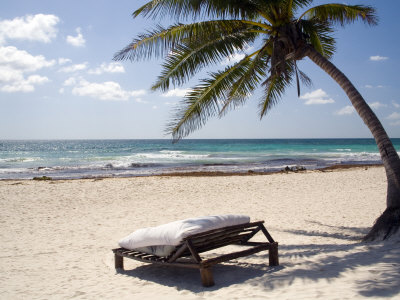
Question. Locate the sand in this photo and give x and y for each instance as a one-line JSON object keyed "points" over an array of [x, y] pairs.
{"points": [[56, 236]]}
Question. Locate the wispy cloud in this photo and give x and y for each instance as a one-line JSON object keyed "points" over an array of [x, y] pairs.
{"points": [[74, 68], [347, 110], [63, 61], [140, 100], [107, 91], [236, 57], [369, 86], [231, 59], [317, 97], [70, 81], [78, 40], [378, 58], [377, 105], [176, 93], [113, 67], [394, 116], [40, 28], [395, 104]]}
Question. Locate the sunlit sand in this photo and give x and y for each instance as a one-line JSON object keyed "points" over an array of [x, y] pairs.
{"points": [[57, 236]]}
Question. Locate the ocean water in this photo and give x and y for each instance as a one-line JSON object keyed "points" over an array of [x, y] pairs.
{"points": [[66, 159]]}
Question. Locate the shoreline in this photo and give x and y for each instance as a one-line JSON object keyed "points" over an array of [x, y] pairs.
{"points": [[336, 167]]}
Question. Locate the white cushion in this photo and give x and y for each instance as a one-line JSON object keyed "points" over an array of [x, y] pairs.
{"points": [[173, 233]]}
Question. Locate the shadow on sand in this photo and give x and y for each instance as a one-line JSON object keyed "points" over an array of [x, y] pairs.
{"points": [[189, 279], [381, 262]]}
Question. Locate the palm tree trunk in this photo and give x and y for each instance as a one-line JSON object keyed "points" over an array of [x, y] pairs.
{"points": [[389, 221]]}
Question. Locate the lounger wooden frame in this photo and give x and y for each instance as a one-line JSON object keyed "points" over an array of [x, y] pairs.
{"points": [[195, 244]]}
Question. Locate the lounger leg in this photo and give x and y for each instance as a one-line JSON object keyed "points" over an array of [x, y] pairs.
{"points": [[119, 261], [206, 277], [273, 255]]}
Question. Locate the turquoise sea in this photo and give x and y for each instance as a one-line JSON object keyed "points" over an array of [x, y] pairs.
{"points": [[62, 159]]}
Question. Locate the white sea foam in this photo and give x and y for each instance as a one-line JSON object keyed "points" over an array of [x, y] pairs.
{"points": [[170, 155], [19, 159]]}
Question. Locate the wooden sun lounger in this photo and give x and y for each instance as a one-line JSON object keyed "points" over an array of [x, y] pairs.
{"points": [[195, 244]]}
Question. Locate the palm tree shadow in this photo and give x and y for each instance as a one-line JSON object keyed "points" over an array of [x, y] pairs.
{"points": [[225, 275], [381, 261]]}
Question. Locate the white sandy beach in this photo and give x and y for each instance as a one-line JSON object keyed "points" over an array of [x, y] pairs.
{"points": [[56, 237]]}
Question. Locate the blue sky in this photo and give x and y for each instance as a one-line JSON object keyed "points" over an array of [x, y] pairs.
{"points": [[58, 80]]}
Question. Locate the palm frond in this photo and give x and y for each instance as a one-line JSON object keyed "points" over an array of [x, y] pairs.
{"points": [[184, 9], [275, 86], [154, 43], [342, 13], [319, 35], [159, 42], [204, 100], [305, 79], [186, 60], [253, 72], [297, 4], [213, 41]]}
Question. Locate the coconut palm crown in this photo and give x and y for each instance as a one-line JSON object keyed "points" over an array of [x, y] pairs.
{"points": [[274, 34]]}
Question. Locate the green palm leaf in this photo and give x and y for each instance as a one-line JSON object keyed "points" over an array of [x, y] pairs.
{"points": [[275, 86], [186, 60], [160, 41], [204, 100], [342, 13], [183, 9], [253, 73], [319, 36]]}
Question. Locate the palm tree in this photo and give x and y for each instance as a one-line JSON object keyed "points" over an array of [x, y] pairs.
{"points": [[279, 37]]}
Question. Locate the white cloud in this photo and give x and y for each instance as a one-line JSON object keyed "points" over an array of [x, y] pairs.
{"points": [[74, 68], [236, 57], [109, 90], [15, 63], [394, 116], [395, 104], [21, 60], [78, 40], [140, 100], [70, 82], [25, 85], [317, 97], [155, 107], [113, 67], [368, 86], [176, 93], [378, 58], [231, 59], [40, 27], [347, 110], [376, 105], [63, 61]]}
